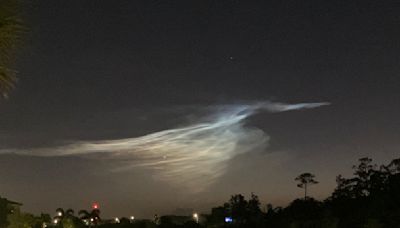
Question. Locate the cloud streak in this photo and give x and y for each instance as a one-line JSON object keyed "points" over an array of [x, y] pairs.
{"points": [[193, 156]]}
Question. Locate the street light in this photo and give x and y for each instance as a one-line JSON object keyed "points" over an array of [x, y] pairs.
{"points": [[196, 217]]}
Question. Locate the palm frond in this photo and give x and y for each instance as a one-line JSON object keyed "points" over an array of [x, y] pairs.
{"points": [[11, 30], [7, 81]]}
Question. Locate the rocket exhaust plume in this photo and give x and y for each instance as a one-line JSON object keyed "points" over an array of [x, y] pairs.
{"points": [[193, 156]]}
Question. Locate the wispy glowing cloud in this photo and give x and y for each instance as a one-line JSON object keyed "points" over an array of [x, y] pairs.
{"points": [[193, 156]]}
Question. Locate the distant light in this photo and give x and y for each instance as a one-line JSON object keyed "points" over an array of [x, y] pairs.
{"points": [[117, 220], [95, 206], [55, 221], [91, 219], [196, 217], [59, 213], [132, 217], [228, 219]]}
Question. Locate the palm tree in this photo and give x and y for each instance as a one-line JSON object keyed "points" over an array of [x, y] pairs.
{"points": [[92, 217], [305, 180], [84, 215], [60, 213], [10, 32], [69, 213]]}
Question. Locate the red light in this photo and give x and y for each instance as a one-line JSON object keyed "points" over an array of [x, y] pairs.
{"points": [[95, 206]]}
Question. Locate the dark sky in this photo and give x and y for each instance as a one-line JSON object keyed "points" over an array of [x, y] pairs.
{"points": [[98, 69]]}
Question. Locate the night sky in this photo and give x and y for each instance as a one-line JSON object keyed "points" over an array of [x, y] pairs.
{"points": [[102, 70]]}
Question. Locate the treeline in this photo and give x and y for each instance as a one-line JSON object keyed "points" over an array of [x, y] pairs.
{"points": [[368, 199]]}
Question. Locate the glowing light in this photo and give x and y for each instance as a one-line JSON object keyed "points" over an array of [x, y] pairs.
{"points": [[228, 219], [95, 206], [193, 156]]}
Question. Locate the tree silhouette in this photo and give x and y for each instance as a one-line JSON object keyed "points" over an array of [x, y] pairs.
{"points": [[305, 180], [69, 212], [10, 32], [245, 213], [92, 217], [238, 208], [368, 179], [62, 215]]}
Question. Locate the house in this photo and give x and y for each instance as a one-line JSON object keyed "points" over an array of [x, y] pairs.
{"points": [[7, 207]]}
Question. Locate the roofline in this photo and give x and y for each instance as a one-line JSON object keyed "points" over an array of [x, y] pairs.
{"points": [[13, 202]]}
